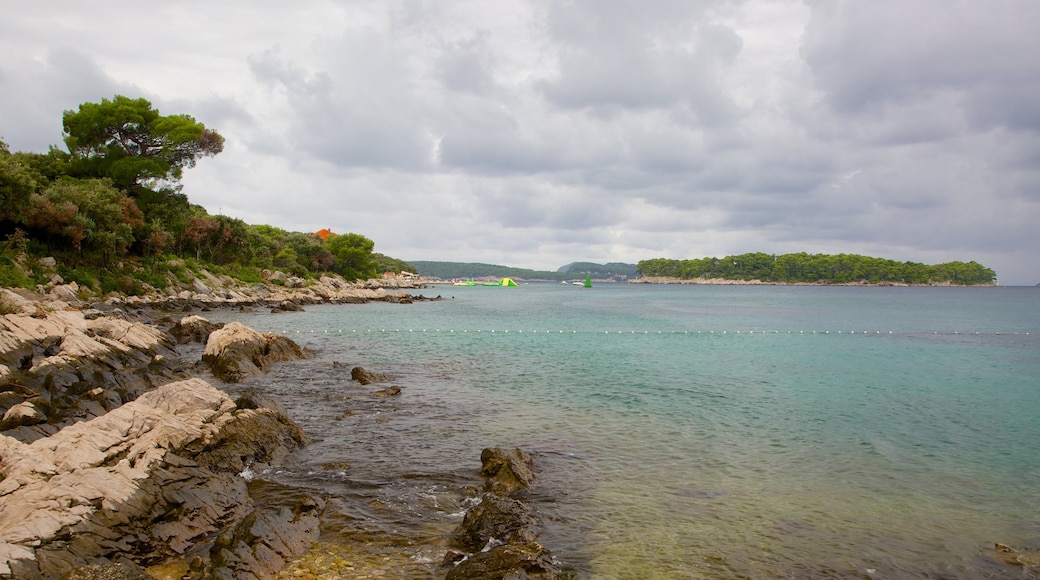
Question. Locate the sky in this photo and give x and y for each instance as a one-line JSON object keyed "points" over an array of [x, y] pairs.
{"points": [[535, 133]]}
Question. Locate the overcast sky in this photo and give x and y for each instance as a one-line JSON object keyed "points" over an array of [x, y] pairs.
{"points": [[535, 133]]}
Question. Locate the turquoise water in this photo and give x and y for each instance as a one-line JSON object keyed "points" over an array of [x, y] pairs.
{"points": [[687, 432]]}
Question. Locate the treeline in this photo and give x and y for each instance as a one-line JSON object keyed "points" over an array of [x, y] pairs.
{"points": [[803, 268], [452, 270], [111, 211], [609, 270]]}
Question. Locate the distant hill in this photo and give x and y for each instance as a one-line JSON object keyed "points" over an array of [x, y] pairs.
{"points": [[449, 270], [610, 270]]}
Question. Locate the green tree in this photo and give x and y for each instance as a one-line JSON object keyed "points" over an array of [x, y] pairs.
{"points": [[353, 254], [87, 213], [129, 142]]}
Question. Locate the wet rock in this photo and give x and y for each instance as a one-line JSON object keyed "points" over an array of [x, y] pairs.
{"points": [[235, 352], [1030, 560], [503, 519], [506, 470], [496, 538], [262, 543], [194, 329], [366, 378], [388, 392], [286, 306], [529, 561]]}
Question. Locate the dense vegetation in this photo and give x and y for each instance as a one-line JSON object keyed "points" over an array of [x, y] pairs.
{"points": [[818, 268], [451, 270], [111, 211]]}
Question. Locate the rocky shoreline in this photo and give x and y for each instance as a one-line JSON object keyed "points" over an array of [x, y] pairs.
{"points": [[122, 457]]}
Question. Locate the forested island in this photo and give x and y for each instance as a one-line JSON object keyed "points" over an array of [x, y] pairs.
{"points": [[803, 268], [108, 212]]}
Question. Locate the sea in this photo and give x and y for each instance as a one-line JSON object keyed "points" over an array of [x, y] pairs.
{"points": [[690, 431]]}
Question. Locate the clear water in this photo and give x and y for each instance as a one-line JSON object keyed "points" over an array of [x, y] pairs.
{"points": [[683, 432]]}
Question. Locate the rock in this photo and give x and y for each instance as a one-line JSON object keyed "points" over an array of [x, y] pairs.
{"points": [[92, 314], [503, 519], [25, 413], [48, 262], [194, 329], [528, 561], [295, 282], [235, 352], [263, 542], [153, 480], [496, 538], [366, 378], [388, 392], [506, 470], [65, 292], [277, 276], [287, 306]]}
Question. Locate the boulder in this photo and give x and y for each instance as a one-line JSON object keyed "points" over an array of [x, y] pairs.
{"points": [[194, 329], [502, 519], [506, 470], [236, 351], [530, 561], [366, 378]]}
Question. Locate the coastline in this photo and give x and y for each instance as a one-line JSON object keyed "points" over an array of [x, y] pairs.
{"points": [[124, 455], [79, 469], [727, 282]]}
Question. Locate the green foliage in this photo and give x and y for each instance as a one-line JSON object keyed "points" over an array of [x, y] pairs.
{"points": [[609, 270], [353, 256], [388, 264], [805, 268], [128, 141]]}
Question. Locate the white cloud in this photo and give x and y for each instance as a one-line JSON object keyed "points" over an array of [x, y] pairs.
{"points": [[538, 133]]}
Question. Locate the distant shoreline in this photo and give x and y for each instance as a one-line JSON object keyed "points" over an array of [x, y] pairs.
{"points": [[727, 282]]}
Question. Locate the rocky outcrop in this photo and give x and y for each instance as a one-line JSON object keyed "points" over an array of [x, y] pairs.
{"points": [[154, 481], [58, 367], [364, 377], [236, 352], [506, 470], [193, 329], [496, 538]]}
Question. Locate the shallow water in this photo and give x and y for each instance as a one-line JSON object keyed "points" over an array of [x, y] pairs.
{"points": [[680, 432]]}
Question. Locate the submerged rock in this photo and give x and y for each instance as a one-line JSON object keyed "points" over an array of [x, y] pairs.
{"points": [[366, 378], [496, 538]]}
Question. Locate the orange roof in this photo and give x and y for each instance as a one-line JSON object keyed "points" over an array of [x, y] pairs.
{"points": [[323, 233]]}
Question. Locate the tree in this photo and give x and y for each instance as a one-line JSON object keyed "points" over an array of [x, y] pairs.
{"points": [[88, 212], [129, 142], [353, 253]]}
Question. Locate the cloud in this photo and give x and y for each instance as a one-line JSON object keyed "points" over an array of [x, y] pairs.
{"points": [[538, 133]]}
